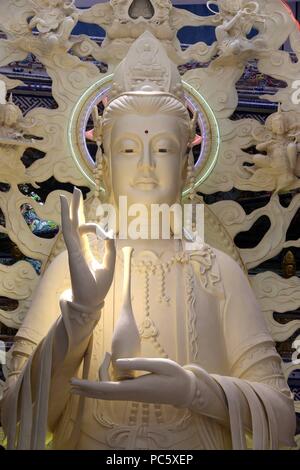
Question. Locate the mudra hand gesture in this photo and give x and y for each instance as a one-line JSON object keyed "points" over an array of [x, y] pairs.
{"points": [[90, 280], [166, 383]]}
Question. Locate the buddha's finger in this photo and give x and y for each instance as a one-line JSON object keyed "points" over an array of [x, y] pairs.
{"points": [[75, 205], [104, 390], [109, 257], [86, 392], [156, 365], [65, 213], [81, 210], [83, 386], [89, 228], [126, 390], [96, 230]]}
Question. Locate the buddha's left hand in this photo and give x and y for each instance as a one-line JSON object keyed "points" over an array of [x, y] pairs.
{"points": [[166, 383]]}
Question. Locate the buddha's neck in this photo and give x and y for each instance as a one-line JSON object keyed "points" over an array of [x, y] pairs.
{"points": [[158, 246]]}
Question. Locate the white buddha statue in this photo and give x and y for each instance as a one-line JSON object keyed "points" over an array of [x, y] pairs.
{"points": [[208, 373]]}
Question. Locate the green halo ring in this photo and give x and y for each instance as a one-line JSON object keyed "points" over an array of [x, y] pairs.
{"points": [[205, 166]]}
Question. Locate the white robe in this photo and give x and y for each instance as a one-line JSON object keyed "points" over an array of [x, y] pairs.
{"points": [[212, 325]]}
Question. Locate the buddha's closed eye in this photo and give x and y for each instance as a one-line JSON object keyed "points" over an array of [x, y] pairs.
{"points": [[128, 146], [160, 146]]}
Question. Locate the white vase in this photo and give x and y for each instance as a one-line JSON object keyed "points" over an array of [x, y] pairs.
{"points": [[126, 340]]}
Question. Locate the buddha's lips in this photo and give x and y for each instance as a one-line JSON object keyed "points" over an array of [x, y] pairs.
{"points": [[144, 181]]}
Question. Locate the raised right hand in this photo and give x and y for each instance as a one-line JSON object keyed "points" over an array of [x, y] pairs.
{"points": [[90, 280]]}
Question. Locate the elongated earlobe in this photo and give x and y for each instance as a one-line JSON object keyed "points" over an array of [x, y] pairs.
{"points": [[98, 171], [190, 174], [101, 192], [106, 176]]}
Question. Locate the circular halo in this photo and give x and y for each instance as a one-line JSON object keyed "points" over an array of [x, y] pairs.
{"points": [[205, 160], [210, 133]]}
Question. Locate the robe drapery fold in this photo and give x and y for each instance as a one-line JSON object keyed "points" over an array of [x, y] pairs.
{"points": [[238, 351], [268, 431], [263, 426], [24, 418], [262, 400]]}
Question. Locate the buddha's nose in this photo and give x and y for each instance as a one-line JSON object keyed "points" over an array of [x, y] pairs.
{"points": [[146, 161]]}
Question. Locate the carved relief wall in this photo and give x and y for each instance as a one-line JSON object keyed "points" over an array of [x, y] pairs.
{"points": [[244, 154]]}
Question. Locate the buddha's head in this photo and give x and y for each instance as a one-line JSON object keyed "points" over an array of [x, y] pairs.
{"points": [[147, 131], [146, 138]]}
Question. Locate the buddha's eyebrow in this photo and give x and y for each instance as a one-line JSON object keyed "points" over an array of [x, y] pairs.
{"points": [[125, 138], [167, 136]]}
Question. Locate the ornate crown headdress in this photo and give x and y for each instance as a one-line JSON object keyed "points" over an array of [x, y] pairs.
{"points": [[147, 69]]}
